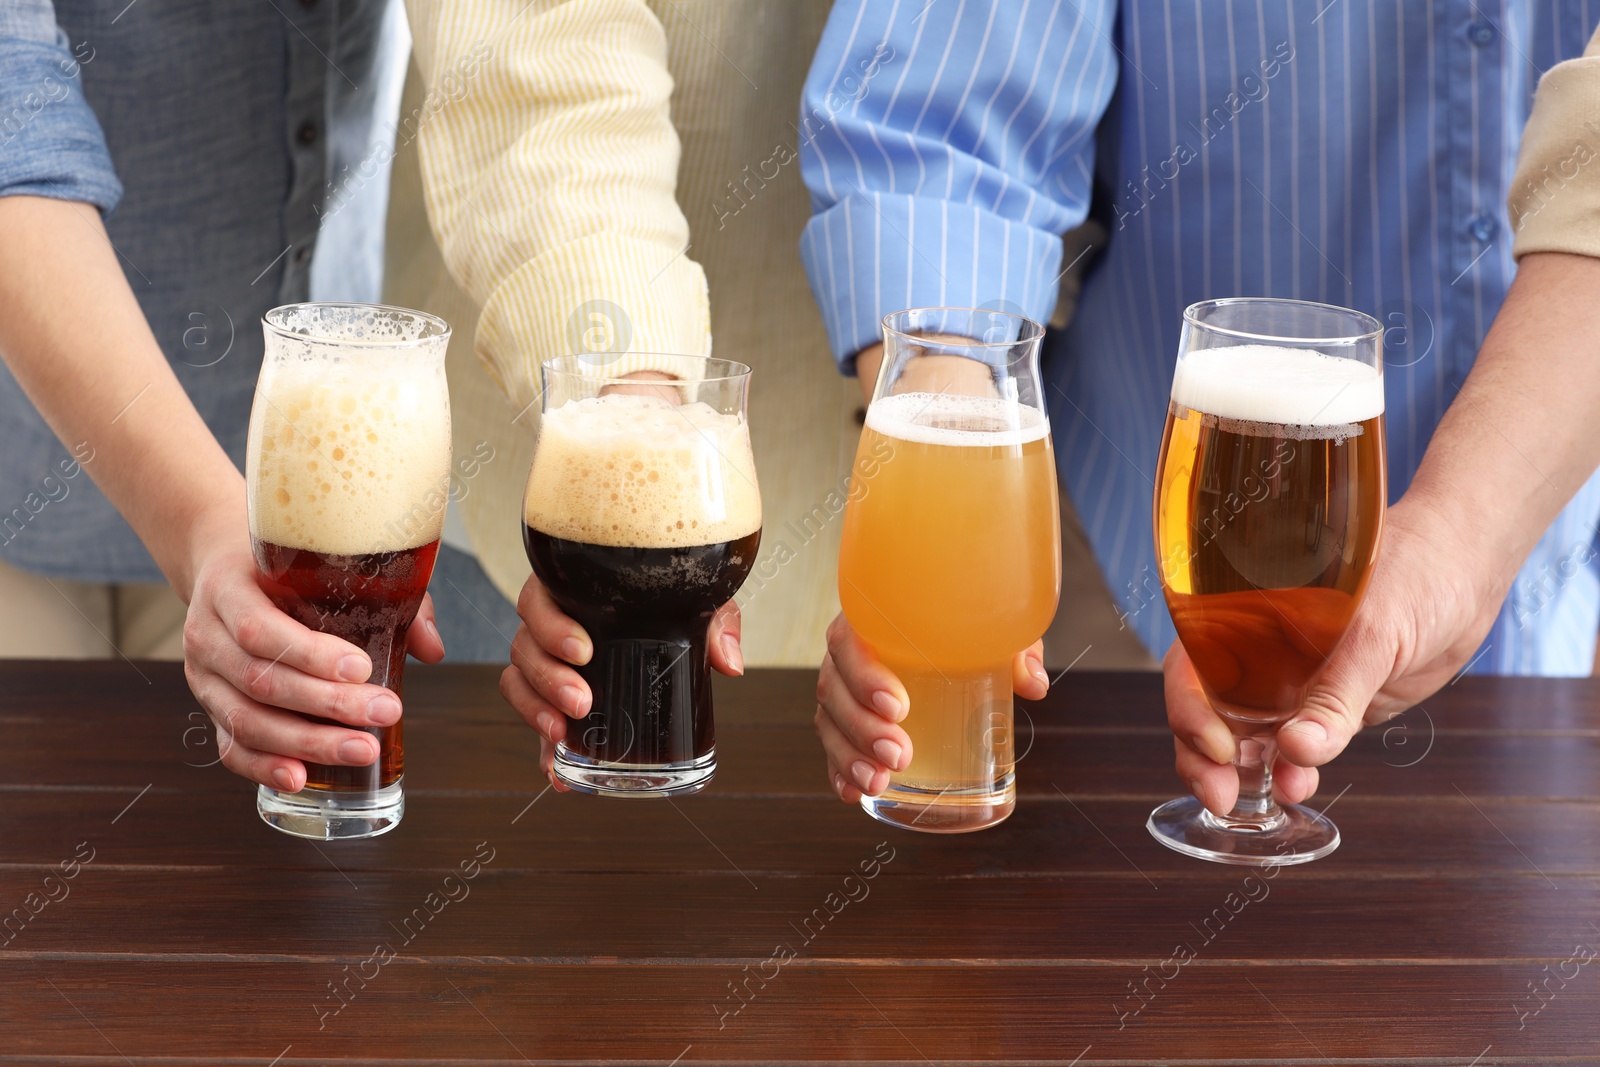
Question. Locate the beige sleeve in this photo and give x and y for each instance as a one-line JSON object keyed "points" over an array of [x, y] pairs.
{"points": [[549, 167], [1555, 194]]}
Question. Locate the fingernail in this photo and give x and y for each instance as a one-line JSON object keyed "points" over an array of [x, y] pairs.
{"points": [[861, 771], [574, 700], [383, 710], [354, 668], [1194, 787], [1310, 729], [887, 751], [838, 784], [1038, 672], [355, 752], [574, 651], [888, 705], [433, 631], [730, 646], [283, 780], [544, 722]]}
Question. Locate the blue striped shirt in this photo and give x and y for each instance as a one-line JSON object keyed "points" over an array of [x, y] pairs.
{"points": [[1356, 152]]}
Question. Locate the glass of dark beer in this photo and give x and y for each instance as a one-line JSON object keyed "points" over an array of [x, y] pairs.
{"points": [[642, 517], [347, 472], [1269, 506]]}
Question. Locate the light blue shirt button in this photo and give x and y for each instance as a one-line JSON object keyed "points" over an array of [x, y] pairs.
{"points": [[1481, 32], [1482, 227]]}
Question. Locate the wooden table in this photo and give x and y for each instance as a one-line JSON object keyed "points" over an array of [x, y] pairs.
{"points": [[742, 925]]}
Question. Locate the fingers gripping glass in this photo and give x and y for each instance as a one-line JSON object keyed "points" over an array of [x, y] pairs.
{"points": [[642, 517], [347, 471], [1269, 506], [950, 562]]}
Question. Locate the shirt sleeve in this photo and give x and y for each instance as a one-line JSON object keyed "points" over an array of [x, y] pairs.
{"points": [[549, 166], [1555, 194], [50, 141], [947, 148]]}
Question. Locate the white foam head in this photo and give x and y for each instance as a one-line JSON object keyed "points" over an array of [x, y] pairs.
{"points": [[640, 471], [1269, 384], [349, 449], [960, 421]]}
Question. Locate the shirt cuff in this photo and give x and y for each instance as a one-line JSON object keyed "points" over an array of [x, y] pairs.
{"points": [[1555, 194], [50, 140], [866, 257], [603, 293]]}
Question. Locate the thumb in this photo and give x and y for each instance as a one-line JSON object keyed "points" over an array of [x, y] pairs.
{"points": [[1335, 708]]}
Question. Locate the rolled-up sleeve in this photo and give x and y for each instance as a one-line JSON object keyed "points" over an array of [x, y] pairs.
{"points": [[50, 141], [947, 148], [1555, 195]]}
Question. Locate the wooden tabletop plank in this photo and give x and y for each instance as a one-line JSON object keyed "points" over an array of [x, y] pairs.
{"points": [[475, 744], [518, 916], [1446, 837], [806, 1012]]}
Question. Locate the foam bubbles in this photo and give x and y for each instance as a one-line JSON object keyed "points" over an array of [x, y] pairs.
{"points": [[350, 454], [963, 421], [636, 470], [1280, 386]]}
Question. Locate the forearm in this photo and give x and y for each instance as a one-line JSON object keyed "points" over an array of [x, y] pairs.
{"points": [[1520, 438], [75, 339], [550, 182]]}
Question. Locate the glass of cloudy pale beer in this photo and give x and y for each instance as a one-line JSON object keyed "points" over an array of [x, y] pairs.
{"points": [[950, 562], [642, 517], [1269, 503], [347, 471]]}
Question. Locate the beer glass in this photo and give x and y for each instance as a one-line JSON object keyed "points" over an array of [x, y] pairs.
{"points": [[950, 562], [1268, 510], [642, 517], [347, 472]]}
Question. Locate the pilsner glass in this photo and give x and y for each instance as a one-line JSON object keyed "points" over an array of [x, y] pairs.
{"points": [[642, 517], [950, 562], [1268, 510], [347, 472]]}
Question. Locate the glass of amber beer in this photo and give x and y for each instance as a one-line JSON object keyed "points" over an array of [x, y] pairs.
{"points": [[950, 562], [642, 517], [1268, 510], [347, 472]]}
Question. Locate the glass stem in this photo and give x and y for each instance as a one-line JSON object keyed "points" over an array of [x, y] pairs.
{"points": [[1255, 810]]}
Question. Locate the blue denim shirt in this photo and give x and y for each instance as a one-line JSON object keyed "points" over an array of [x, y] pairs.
{"points": [[214, 118]]}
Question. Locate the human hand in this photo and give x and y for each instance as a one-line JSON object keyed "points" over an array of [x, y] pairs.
{"points": [[1430, 602], [252, 667], [860, 704], [541, 684]]}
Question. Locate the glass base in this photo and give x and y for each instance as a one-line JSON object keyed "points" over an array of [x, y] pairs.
{"points": [[1293, 833], [325, 815], [600, 778], [944, 811]]}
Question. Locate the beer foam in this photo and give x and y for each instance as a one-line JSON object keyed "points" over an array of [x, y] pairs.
{"points": [[350, 455], [948, 419], [1278, 386], [640, 471]]}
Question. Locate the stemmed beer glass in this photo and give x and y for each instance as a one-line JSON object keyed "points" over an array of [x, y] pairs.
{"points": [[1269, 504]]}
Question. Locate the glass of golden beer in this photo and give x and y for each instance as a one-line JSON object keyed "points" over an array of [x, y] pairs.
{"points": [[1269, 506], [347, 470], [950, 563]]}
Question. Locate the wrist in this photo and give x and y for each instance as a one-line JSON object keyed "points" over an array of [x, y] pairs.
{"points": [[1466, 538], [221, 525]]}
